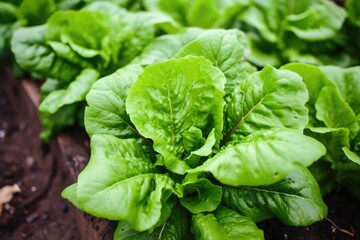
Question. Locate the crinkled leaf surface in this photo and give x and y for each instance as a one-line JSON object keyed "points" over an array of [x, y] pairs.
{"points": [[175, 227], [276, 26], [347, 81], [75, 92], [262, 158], [32, 54], [144, 26], [106, 111], [315, 81], [335, 112], [172, 97], [226, 49], [64, 26], [120, 183], [225, 223], [258, 15], [244, 69], [334, 139], [270, 98], [71, 41], [96, 36], [295, 200], [320, 21]]}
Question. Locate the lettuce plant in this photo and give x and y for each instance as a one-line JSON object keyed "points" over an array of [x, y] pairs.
{"points": [[305, 31], [335, 115], [199, 145], [74, 48], [15, 14], [280, 31], [200, 13]]}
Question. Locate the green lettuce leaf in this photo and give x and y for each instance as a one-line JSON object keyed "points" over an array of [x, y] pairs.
{"points": [[106, 112], [348, 174], [75, 92], [120, 183], [309, 73], [263, 157], [95, 36], [353, 9], [200, 13], [266, 99], [351, 155], [225, 223], [325, 176], [165, 47], [282, 31], [226, 49], [36, 12], [144, 26], [67, 115], [334, 139], [33, 54], [199, 194], [172, 98], [347, 81], [330, 99], [10, 20], [320, 21], [295, 200], [175, 227], [89, 38]]}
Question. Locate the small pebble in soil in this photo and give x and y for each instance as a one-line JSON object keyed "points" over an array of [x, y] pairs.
{"points": [[2, 134], [9, 208], [30, 161], [32, 217], [33, 189]]}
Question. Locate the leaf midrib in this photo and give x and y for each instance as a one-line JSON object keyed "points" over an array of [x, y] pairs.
{"points": [[275, 192], [233, 130]]}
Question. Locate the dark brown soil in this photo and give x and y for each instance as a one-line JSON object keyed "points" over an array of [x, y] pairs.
{"points": [[38, 212]]}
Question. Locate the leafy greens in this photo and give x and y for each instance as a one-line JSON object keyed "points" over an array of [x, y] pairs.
{"points": [[101, 37], [335, 112], [159, 144]]}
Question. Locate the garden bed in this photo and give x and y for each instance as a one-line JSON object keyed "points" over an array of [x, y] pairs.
{"points": [[42, 171]]}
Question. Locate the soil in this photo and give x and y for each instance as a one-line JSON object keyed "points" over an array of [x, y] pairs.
{"points": [[43, 170], [37, 212]]}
